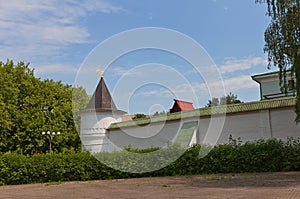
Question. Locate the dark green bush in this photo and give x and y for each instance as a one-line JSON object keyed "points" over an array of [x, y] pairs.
{"points": [[260, 156]]}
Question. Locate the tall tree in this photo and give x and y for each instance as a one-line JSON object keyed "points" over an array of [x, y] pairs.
{"points": [[282, 41], [29, 106]]}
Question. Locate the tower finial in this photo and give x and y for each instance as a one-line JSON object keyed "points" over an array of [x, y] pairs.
{"points": [[101, 72]]}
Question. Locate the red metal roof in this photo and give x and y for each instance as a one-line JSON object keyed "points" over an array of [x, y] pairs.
{"points": [[185, 106], [181, 106]]}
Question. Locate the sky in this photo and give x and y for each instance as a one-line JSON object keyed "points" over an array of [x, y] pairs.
{"points": [[58, 37]]}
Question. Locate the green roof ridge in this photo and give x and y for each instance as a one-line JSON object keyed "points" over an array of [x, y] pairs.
{"points": [[269, 73]]}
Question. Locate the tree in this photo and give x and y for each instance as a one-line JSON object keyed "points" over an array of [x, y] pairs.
{"points": [[29, 106], [228, 99], [80, 99], [160, 113], [282, 41], [139, 116]]}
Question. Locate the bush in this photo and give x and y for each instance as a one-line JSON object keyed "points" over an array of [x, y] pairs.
{"points": [[260, 156]]}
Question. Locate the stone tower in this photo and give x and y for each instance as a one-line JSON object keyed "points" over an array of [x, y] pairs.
{"points": [[96, 118]]}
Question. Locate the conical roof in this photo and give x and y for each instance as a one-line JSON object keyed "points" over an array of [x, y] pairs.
{"points": [[101, 99]]}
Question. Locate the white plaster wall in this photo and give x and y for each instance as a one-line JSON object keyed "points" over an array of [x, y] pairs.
{"points": [[283, 125], [254, 125], [145, 136], [152, 135], [249, 126]]}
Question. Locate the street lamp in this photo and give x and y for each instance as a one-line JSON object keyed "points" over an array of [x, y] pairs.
{"points": [[50, 137]]}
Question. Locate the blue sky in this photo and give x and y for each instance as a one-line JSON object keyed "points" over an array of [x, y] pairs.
{"points": [[57, 36]]}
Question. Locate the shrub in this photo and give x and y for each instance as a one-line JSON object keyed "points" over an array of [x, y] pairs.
{"points": [[259, 156]]}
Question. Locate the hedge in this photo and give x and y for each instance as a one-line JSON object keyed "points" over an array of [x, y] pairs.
{"points": [[259, 156]]}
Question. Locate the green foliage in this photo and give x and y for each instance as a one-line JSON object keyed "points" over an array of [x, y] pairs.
{"points": [[139, 160], [282, 38], [133, 150], [260, 156], [228, 99], [80, 100], [139, 116], [30, 106], [160, 113]]}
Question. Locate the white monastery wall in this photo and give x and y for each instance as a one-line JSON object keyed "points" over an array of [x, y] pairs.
{"points": [[248, 126], [253, 125], [157, 134], [282, 123]]}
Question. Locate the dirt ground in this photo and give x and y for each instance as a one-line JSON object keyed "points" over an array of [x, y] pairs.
{"points": [[262, 185]]}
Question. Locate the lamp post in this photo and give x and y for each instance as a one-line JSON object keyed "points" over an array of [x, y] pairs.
{"points": [[50, 137]]}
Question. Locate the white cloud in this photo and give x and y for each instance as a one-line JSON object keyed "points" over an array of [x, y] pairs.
{"points": [[183, 90], [230, 65], [238, 83], [32, 28], [230, 85], [233, 64], [158, 92], [117, 71], [55, 68], [197, 93]]}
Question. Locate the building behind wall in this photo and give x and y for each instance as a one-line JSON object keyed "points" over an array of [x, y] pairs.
{"points": [[269, 85], [180, 105]]}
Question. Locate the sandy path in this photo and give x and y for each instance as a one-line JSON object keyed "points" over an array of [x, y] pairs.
{"points": [[263, 185]]}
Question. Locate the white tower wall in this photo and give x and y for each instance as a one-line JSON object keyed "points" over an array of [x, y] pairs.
{"points": [[93, 129]]}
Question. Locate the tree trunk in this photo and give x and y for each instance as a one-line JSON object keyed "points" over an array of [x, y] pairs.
{"points": [[297, 74]]}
